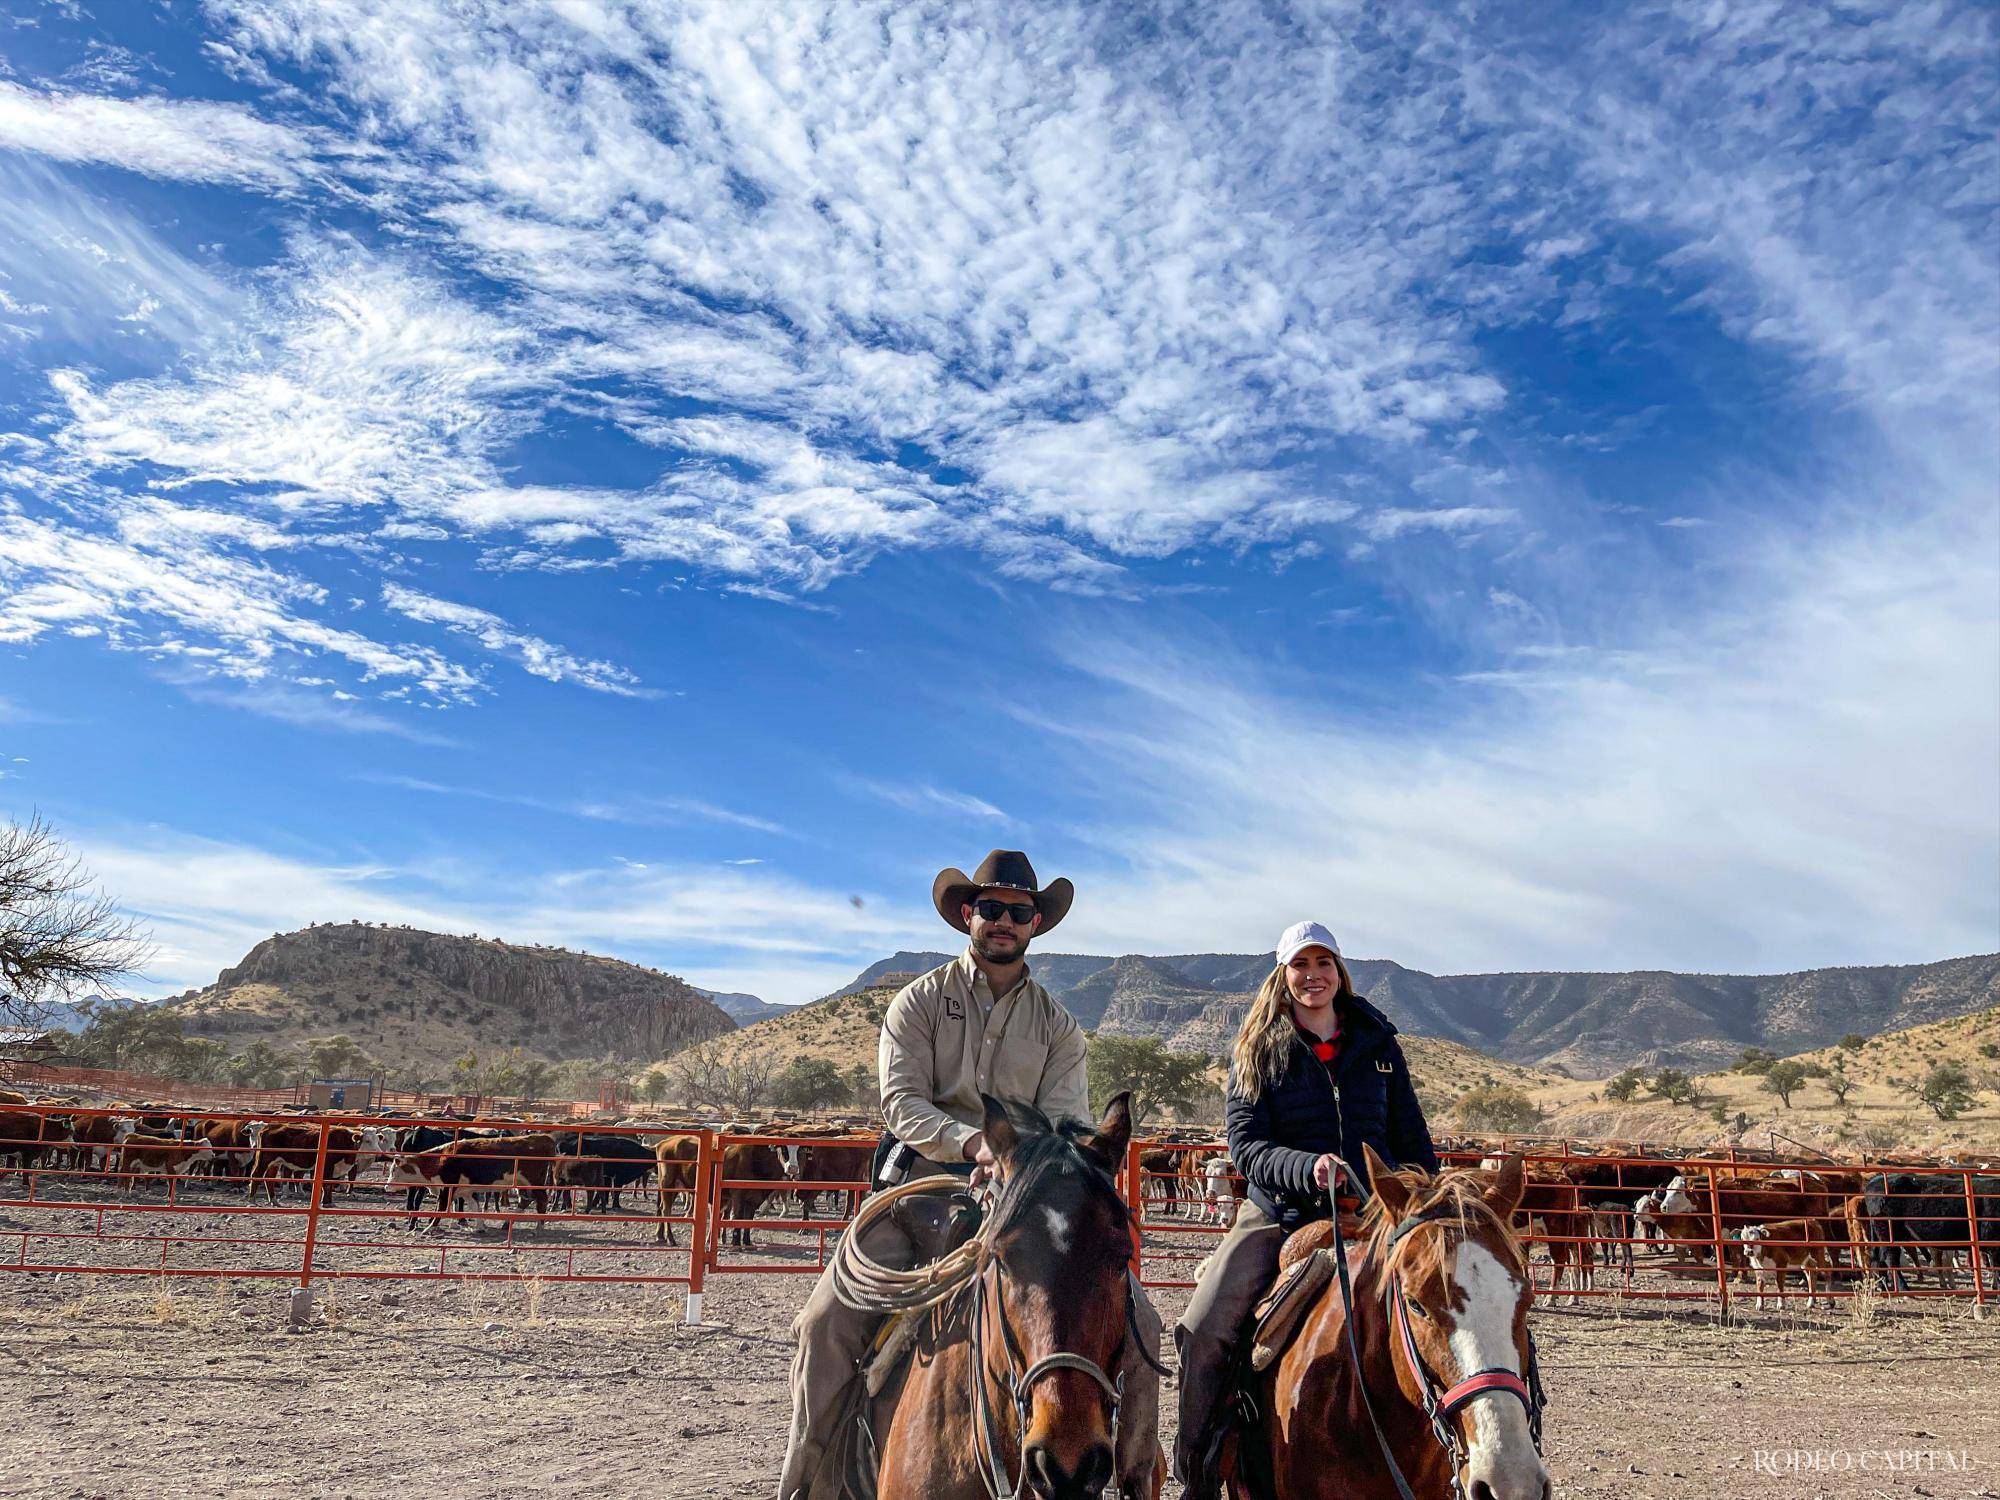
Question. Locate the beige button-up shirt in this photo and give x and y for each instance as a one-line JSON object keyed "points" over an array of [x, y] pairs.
{"points": [[946, 1040]]}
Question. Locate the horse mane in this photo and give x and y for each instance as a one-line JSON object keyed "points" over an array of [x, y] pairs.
{"points": [[1042, 1146], [1456, 1194]]}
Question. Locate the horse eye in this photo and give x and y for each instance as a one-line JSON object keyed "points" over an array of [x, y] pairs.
{"points": [[1418, 1308]]}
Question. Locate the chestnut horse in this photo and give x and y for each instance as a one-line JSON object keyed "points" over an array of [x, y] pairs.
{"points": [[1447, 1386], [1023, 1388]]}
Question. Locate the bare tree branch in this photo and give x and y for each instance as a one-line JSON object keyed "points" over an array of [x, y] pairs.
{"points": [[59, 935]]}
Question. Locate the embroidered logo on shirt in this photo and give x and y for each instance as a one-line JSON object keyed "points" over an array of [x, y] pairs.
{"points": [[954, 1008]]}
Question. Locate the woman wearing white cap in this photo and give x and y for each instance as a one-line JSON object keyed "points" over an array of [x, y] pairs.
{"points": [[1315, 1075]]}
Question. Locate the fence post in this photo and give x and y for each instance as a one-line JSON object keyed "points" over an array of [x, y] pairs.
{"points": [[704, 1166], [1721, 1255], [1972, 1244], [312, 1213], [1135, 1191]]}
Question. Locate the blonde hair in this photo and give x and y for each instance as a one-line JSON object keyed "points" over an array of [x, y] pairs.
{"points": [[1263, 1041]]}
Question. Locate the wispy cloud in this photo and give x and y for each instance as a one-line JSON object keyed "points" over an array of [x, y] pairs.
{"points": [[535, 655], [922, 797], [635, 811], [206, 902], [198, 140]]}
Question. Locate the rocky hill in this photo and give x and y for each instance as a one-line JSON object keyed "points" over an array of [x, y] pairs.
{"points": [[1590, 1024], [411, 997]]}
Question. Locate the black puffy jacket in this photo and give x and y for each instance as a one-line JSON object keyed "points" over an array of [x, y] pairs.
{"points": [[1275, 1138]]}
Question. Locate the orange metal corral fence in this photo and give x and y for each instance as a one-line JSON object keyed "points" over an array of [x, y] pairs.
{"points": [[306, 1198]]}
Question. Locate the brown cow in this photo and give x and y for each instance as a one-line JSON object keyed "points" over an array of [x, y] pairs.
{"points": [[830, 1161], [743, 1163], [1786, 1245], [676, 1155], [482, 1164], [26, 1138], [296, 1148], [158, 1156]]}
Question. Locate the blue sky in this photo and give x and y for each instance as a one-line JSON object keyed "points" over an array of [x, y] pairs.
{"points": [[1518, 484]]}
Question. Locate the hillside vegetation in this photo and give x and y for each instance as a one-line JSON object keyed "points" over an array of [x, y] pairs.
{"points": [[1880, 1112]]}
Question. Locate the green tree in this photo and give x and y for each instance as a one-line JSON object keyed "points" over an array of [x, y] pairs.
{"points": [[1947, 1090], [1495, 1109], [654, 1088], [1157, 1077], [338, 1056], [1838, 1083], [1853, 1042], [1675, 1086], [1784, 1079], [865, 1089], [809, 1083], [1756, 1060], [1624, 1088]]}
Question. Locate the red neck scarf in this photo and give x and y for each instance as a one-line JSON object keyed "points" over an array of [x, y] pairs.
{"points": [[1326, 1051]]}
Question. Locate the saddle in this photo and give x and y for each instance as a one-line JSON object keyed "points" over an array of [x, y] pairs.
{"points": [[1305, 1269]]}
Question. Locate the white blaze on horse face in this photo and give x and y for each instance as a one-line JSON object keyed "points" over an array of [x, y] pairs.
{"points": [[1058, 1230], [1502, 1451]]}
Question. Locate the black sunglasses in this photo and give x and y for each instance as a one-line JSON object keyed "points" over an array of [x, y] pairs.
{"points": [[1022, 912]]}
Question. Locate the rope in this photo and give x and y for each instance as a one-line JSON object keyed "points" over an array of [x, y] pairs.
{"points": [[866, 1285]]}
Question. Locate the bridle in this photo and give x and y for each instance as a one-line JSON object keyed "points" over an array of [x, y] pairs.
{"points": [[1439, 1404], [1020, 1376]]}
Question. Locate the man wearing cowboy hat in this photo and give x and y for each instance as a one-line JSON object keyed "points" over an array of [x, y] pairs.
{"points": [[979, 1024]]}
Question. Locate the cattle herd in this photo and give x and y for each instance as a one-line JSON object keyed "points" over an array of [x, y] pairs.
{"points": [[1897, 1223], [1824, 1224]]}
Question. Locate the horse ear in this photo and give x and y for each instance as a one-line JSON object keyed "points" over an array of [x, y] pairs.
{"points": [[1385, 1184], [1504, 1196], [1000, 1133], [1114, 1132]]}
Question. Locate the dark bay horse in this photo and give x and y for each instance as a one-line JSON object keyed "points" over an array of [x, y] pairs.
{"points": [[1441, 1297], [1024, 1387]]}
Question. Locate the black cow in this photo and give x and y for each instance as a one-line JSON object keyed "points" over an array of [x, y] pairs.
{"points": [[1925, 1213], [605, 1165]]}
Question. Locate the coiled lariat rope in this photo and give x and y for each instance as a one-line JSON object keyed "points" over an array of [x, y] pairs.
{"points": [[866, 1285]]}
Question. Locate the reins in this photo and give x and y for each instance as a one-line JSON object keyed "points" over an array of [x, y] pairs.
{"points": [[866, 1285], [1438, 1406]]}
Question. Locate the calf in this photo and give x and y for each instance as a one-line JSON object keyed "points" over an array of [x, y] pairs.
{"points": [[1788, 1244], [158, 1156], [1218, 1204]]}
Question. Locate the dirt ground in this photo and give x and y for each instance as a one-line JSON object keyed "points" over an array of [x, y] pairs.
{"points": [[145, 1386]]}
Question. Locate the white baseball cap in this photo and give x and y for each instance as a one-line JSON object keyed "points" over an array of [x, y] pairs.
{"points": [[1301, 936]]}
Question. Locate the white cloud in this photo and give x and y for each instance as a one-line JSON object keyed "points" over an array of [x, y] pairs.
{"points": [[198, 140], [1807, 778], [207, 902], [534, 654], [922, 797]]}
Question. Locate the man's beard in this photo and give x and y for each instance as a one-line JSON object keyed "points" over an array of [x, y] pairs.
{"points": [[979, 946]]}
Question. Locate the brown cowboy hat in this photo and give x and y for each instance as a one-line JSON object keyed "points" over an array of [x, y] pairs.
{"points": [[1003, 869]]}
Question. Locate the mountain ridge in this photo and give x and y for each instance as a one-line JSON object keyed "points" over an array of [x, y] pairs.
{"points": [[1591, 1023]]}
